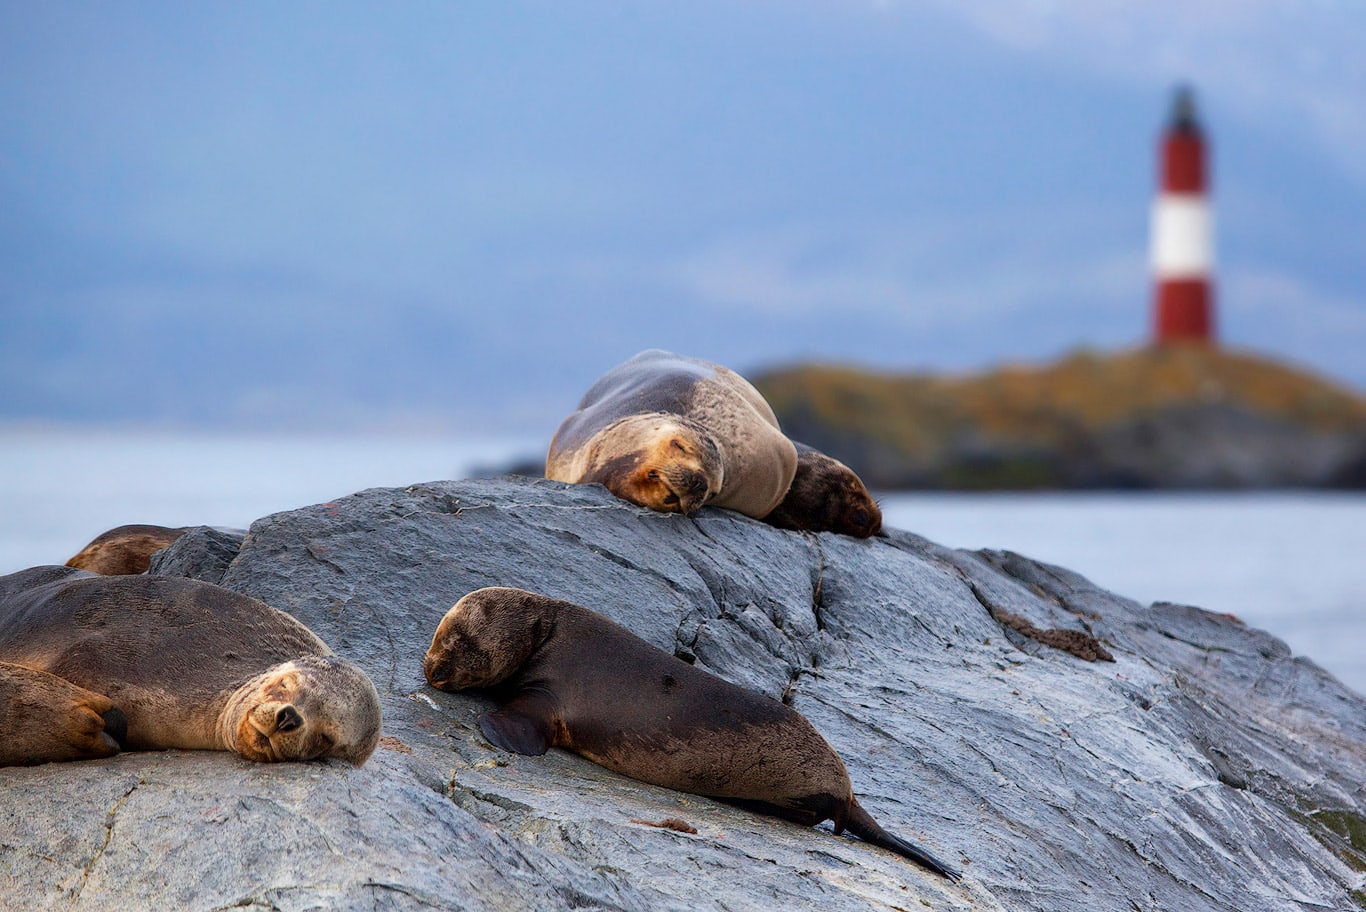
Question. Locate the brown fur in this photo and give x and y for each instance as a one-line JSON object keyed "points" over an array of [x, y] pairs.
{"points": [[674, 433], [191, 665], [124, 549], [826, 496], [574, 679], [673, 469], [44, 718]]}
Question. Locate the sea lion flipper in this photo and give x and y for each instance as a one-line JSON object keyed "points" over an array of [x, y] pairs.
{"points": [[116, 726], [516, 732], [862, 825], [46, 718]]}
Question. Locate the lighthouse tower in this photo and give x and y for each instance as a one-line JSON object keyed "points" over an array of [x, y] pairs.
{"points": [[1182, 232]]}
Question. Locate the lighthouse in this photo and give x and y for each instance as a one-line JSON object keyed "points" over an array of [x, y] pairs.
{"points": [[1182, 232]]}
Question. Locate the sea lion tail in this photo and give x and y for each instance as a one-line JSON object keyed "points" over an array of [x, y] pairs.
{"points": [[862, 825]]}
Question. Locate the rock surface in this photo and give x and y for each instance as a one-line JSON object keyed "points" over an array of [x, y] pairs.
{"points": [[1204, 768]]}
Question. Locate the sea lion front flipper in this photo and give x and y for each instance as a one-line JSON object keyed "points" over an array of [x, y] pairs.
{"points": [[513, 731], [45, 718], [116, 725]]}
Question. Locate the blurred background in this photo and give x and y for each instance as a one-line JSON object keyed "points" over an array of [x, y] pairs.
{"points": [[253, 256]]}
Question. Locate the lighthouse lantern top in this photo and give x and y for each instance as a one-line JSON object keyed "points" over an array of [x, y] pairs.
{"points": [[1183, 111]]}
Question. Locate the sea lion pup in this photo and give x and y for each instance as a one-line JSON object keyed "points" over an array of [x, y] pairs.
{"points": [[673, 433], [124, 549], [190, 665], [826, 496], [46, 718], [572, 678]]}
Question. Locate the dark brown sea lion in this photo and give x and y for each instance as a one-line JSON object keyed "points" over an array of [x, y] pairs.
{"points": [[826, 496], [571, 678], [124, 549], [190, 665], [674, 433]]}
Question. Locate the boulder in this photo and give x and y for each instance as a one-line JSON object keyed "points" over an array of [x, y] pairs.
{"points": [[1068, 748]]}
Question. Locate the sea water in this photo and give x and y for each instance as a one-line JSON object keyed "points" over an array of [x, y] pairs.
{"points": [[1290, 563]]}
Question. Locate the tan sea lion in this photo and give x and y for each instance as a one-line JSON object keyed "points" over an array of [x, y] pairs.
{"points": [[674, 433], [568, 677], [124, 549], [826, 496], [190, 665]]}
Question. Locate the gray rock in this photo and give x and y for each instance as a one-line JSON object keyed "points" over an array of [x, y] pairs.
{"points": [[1205, 768], [202, 553]]}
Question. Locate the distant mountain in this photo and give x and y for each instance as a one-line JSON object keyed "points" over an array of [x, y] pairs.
{"points": [[1162, 417]]}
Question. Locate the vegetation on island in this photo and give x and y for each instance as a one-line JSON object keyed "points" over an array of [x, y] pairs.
{"points": [[1173, 416]]}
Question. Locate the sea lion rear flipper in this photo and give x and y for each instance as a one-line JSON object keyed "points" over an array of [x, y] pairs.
{"points": [[862, 825], [513, 731]]}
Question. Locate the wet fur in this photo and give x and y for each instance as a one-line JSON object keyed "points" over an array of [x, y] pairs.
{"points": [[191, 665], [653, 428], [568, 677], [653, 460]]}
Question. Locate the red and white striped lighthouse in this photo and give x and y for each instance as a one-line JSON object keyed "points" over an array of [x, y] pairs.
{"points": [[1182, 232]]}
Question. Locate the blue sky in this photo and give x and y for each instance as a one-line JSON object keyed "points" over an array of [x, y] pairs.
{"points": [[456, 216]]}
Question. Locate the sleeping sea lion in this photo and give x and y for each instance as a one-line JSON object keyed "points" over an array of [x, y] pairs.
{"points": [[826, 496], [674, 433], [124, 549], [188, 664], [568, 677]]}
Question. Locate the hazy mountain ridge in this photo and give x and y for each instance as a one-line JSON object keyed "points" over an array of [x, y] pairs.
{"points": [[1162, 417]]}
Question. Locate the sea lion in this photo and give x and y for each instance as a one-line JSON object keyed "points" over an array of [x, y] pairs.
{"points": [[569, 677], [673, 433], [124, 549], [190, 665], [826, 496]]}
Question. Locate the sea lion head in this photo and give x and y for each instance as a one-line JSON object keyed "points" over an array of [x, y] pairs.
{"points": [[851, 509], [827, 496], [311, 707], [659, 461], [486, 637]]}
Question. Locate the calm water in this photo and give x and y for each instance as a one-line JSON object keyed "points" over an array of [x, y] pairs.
{"points": [[1288, 563]]}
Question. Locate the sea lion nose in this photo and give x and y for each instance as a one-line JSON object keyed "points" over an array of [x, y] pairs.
{"points": [[697, 483], [287, 719], [436, 676]]}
